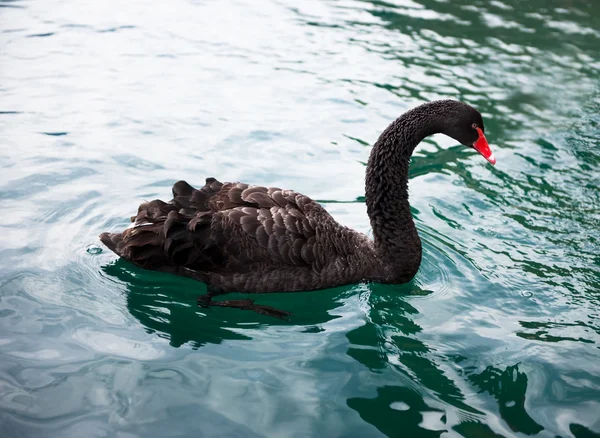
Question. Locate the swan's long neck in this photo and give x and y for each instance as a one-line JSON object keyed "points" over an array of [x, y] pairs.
{"points": [[396, 239]]}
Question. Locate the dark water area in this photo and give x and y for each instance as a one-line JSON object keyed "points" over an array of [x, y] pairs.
{"points": [[106, 104]]}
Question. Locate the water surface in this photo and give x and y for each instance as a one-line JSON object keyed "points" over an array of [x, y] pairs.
{"points": [[106, 104]]}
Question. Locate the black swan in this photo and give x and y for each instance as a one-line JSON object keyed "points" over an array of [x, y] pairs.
{"points": [[237, 237]]}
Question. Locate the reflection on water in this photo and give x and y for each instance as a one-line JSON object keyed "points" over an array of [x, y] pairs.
{"points": [[428, 395], [385, 341], [171, 310], [509, 388], [499, 333]]}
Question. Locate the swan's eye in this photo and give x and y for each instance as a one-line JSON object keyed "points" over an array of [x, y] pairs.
{"points": [[474, 126]]}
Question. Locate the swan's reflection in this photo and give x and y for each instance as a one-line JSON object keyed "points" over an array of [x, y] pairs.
{"points": [[425, 399], [166, 305], [412, 388]]}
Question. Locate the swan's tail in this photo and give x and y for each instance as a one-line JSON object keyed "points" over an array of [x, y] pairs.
{"points": [[165, 235], [111, 240], [143, 242]]}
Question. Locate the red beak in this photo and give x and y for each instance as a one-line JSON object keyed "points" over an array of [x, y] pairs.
{"points": [[482, 146]]}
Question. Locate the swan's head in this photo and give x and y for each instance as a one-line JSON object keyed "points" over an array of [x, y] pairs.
{"points": [[465, 125]]}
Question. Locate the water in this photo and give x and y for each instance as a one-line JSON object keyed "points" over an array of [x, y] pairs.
{"points": [[106, 104]]}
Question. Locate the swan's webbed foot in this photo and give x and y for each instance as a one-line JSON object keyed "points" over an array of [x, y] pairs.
{"points": [[206, 301], [271, 311]]}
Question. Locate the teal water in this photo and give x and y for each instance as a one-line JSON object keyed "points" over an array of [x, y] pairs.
{"points": [[106, 104]]}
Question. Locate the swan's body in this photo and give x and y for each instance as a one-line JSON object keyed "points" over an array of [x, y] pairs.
{"points": [[237, 237], [244, 238]]}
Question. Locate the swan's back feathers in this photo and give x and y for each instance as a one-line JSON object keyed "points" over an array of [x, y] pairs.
{"points": [[232, 229]]}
